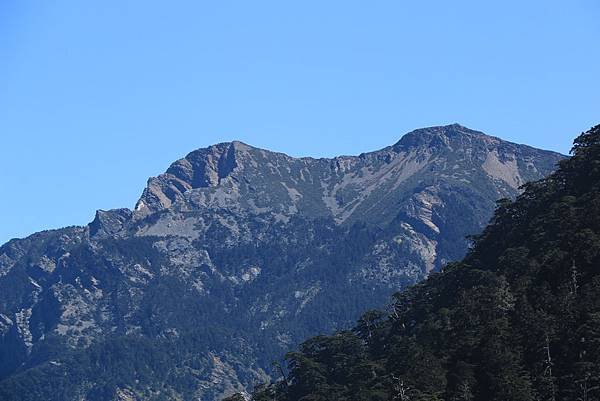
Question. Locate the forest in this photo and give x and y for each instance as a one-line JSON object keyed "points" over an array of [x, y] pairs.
{"points": [[517, 319]]}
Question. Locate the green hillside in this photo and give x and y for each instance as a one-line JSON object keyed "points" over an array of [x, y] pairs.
{"points": [[517, 319]]}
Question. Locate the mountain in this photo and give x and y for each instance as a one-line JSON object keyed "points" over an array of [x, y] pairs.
{"points": [[517, 319], [236, 254]]}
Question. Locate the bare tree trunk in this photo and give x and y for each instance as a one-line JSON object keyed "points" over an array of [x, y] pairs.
{"points": [[574, 274], [400, 390], [548, 370]]}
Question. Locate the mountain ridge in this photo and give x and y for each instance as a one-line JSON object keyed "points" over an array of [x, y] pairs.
{"points": [[207, 167], [399, 143], [517, 319], [234, 255]]}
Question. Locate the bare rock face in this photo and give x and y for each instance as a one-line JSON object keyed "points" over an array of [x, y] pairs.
{"points": [[109, 223], [233, 256]]}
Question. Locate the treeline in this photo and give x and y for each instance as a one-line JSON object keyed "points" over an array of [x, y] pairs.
{"points": [[517, 320]]}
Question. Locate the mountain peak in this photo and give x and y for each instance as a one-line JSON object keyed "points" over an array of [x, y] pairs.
{"points": [[234, 175], [238, 252], [443, 135]]}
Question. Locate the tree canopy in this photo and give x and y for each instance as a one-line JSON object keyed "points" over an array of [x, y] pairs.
{"points": [[517, 319]]}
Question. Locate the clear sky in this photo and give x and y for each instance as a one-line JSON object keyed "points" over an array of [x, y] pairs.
{"points": [[96, 96]]}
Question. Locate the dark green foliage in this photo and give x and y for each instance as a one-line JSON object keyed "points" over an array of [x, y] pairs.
{"points": [[196, 299], [517, 320]]}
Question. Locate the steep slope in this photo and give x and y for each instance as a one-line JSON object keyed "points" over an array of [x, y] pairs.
{"points": [[517, 319], [237, 176], [236, 254]]}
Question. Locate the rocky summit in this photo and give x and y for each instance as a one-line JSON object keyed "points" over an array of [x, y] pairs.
{"points": [[236, 254]]}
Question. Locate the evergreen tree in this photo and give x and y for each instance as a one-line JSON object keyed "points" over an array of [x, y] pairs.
{"points": [[517, 320]]}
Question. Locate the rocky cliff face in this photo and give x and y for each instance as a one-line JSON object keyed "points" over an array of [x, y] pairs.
{"points": [[233, 256]]}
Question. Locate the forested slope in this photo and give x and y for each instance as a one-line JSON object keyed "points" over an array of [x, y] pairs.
{"points": [[517, 319], [234, 256]]}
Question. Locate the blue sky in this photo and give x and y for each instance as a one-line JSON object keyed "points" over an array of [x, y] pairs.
{"points": [[95, 97]]}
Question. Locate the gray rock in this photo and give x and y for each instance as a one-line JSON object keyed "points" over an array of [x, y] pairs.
{"points": [[235, 254]]}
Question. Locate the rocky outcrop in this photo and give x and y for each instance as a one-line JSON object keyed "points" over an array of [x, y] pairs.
{"points": [[234, 255], [109, 223]]}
